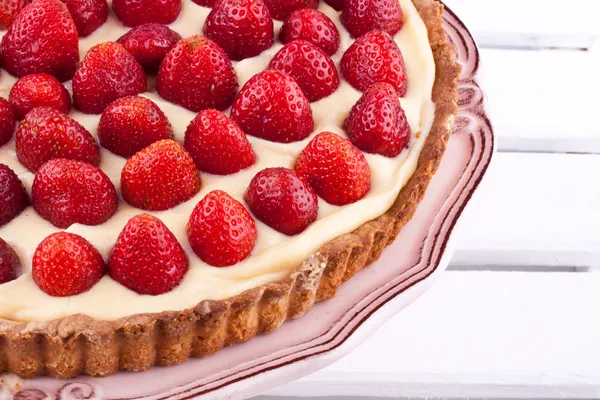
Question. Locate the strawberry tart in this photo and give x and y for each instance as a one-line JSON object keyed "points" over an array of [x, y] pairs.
{"points": [[178, 176]]}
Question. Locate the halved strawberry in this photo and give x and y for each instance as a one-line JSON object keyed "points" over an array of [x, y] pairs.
{"points": [[221, 231], [149, 44], [67, 192], [46, 133], [88, 15], [159, 177], [147, 258], [243, 28], [197, 74], [336, 4], [9, 9], [131, 124], [9, 263], [313, 70], [377, 123], [335, 169], [7, 122], [374, 57], [281, 9], [217, 144], [13, 197], [38, 90], [65, 264], [107, 73], [272, 106], [42, 39], [312, 26], [280, 199], [362, 16], [138, 12]]}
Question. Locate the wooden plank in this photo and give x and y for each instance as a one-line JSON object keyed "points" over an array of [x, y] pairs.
{"points": [[478, 335], [543, 100], [535, 210]]}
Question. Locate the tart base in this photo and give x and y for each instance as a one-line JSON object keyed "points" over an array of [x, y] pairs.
{"points": [[80, 345]]}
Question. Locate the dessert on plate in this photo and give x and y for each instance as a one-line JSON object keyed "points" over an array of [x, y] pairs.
{"points": [[179, 176]]}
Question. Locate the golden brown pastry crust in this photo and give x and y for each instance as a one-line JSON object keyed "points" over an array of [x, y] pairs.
{"points": [[81, 345]]}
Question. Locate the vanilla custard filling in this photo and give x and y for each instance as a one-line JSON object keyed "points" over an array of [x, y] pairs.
{"points": [[275, 255]]}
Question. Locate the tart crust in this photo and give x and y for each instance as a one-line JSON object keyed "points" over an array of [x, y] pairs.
{"points": [[78, 344]]}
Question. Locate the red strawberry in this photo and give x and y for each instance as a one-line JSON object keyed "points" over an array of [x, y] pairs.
{"points": [[272, 106], [312, 26], [373, 58], [149, 44], [38, 90], [65, 264], [205, 3], [88, 15], [9, 263], [159, 177], [138, 12], [46, 133], [280, 199], [197, 74], [336, 4], [243, 28], [13, 197], [281, 9], [336, 170], [107, 73], [42, 39], [7, 122], [147, 258], [217, 144], [377, 123], [67, 192], [8, 11], [313, 70], [131, 124], [362, 16], [221, 231]]}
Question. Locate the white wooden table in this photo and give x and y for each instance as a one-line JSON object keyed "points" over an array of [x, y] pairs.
{"points": [[518, 313]]}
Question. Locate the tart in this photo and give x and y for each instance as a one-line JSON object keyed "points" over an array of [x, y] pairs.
{"points": [[217, 201]]}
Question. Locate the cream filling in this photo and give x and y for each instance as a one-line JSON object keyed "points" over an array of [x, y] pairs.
{"points": [[275, 255]]}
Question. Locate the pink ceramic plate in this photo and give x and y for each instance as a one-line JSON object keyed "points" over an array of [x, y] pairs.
{"points": [[336, 326]]}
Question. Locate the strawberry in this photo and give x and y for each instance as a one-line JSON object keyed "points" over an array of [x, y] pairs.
{"points": [[205, 3], [38, 90], [88, 15], [65, 264], [243, 28], [130, 124], [197, 74], [335, 169], [9, 9], [272, 106], [313, 70], [217, 144], [138, 12], [336, 4], [377, 123], [7, 122], [374, 57], [280, 199], [281, 9], [107, 73], [46, 133], [221, 231], [9, 263], [159, 177], [149, 44], [13, 197], [42, 39], [147, 258], [67, 192], [362, 16], [312, 26]]}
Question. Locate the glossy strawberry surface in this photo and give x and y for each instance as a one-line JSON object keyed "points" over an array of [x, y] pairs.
{"points": [[13, 196], [88, 15], [38, 90], [149, 44], [138, 12], [362, 16], [312, 26], [281, 9], [7, 121], [9, 263], [9, 10]]}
